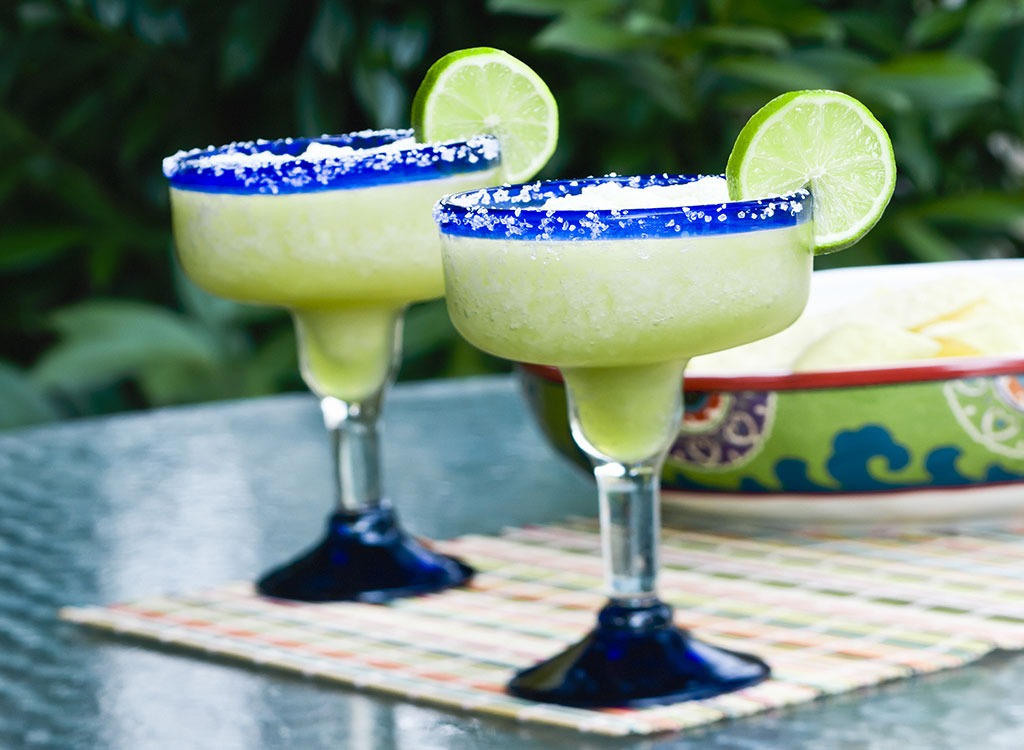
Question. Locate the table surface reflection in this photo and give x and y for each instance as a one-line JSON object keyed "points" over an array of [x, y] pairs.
{"points": [[99, 510]]}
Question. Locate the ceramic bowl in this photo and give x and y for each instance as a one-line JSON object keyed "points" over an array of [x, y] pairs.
{"points": [[929, 441]]}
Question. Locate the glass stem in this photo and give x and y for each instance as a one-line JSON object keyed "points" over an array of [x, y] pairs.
{"points": [[354, 427], [355, 444], [630, 522], [629, 490]]}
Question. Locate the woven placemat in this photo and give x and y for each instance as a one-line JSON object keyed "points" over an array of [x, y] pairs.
{"points": [[830, 612]]}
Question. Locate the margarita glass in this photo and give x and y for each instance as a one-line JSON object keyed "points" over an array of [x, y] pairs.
{"points": [[618, 282], [337, 230]]}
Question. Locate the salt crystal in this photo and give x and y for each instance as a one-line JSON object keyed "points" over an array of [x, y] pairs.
{"points": [[616, 195]]}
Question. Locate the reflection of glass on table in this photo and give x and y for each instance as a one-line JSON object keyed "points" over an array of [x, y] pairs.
{"points": [[337, 230], [616, 285]]}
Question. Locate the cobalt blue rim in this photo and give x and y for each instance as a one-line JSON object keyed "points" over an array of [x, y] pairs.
{"points": [[516, 213], [363, 160]]}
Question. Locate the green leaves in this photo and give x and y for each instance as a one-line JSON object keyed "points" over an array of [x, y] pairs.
{"points": [[775, 75], [170, 357], [930, 81], [644, 86], [1000, 210], [433, 346], [590, 36], [550, 7], [107, 340], [331, 34], [31, 246], [22, 402], [250, 31], [756, 38]]}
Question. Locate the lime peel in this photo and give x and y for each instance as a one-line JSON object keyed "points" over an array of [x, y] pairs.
{"points": [[826, 141]]}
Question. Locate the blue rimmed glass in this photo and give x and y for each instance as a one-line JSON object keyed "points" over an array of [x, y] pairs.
{"points": [[338, 231], [619, 299]]}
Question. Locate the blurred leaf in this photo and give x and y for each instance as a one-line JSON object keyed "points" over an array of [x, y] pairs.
{"points": [[274, 365], [995, 209], [91, 363], [9, 70], [21, 401], [99, 318], [748, 37], [778, 75], [158, 25], [11, 178], [643, 24], [1014, 87], [38, 12], [214, 312], [142, 127], [250, 31], [110, 13], [169, 383], [935, 25], [164, 383], [27, 247], [663, 84], [866, 28], [586, 35], [551, 7], [104, 340], [798, 19], [465, 360], [933, 81], [994, 14], [408, 42], [946, 124], [103, 260], [308, 115], [914, 154], [77, 190], [332, 30], [80, 113], [16, 133], [837, 64], [427, 329], [871, 250], [924, 242], [383, 95]]}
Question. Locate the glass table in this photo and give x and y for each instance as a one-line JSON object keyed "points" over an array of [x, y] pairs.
{"points": [[100, 510]]}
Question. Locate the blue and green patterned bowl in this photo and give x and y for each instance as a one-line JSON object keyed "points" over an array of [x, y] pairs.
{"points": [[932, 442]]}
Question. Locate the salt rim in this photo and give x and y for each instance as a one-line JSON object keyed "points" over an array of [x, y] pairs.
{"points": [[353, 160], [611, 194], [519, 212]]}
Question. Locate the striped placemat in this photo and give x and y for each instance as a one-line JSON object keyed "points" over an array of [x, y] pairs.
{"points": [[830, 612]]}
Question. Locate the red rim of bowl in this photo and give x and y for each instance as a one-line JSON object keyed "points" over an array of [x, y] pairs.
{"points": [[952, 369]]}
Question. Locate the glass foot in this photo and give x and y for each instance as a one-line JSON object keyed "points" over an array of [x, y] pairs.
{"points": [[637, 657], [365, 556]]}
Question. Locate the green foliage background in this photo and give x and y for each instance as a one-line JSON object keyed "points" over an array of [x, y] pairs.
{"points": [[94, 315]]}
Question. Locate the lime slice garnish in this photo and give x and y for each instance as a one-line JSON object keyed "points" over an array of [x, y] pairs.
{"points": [[826, 141], [485, 91]]}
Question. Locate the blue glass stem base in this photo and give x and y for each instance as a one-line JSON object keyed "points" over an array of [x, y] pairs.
{"points": [[636, 657], [365, 556]]}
